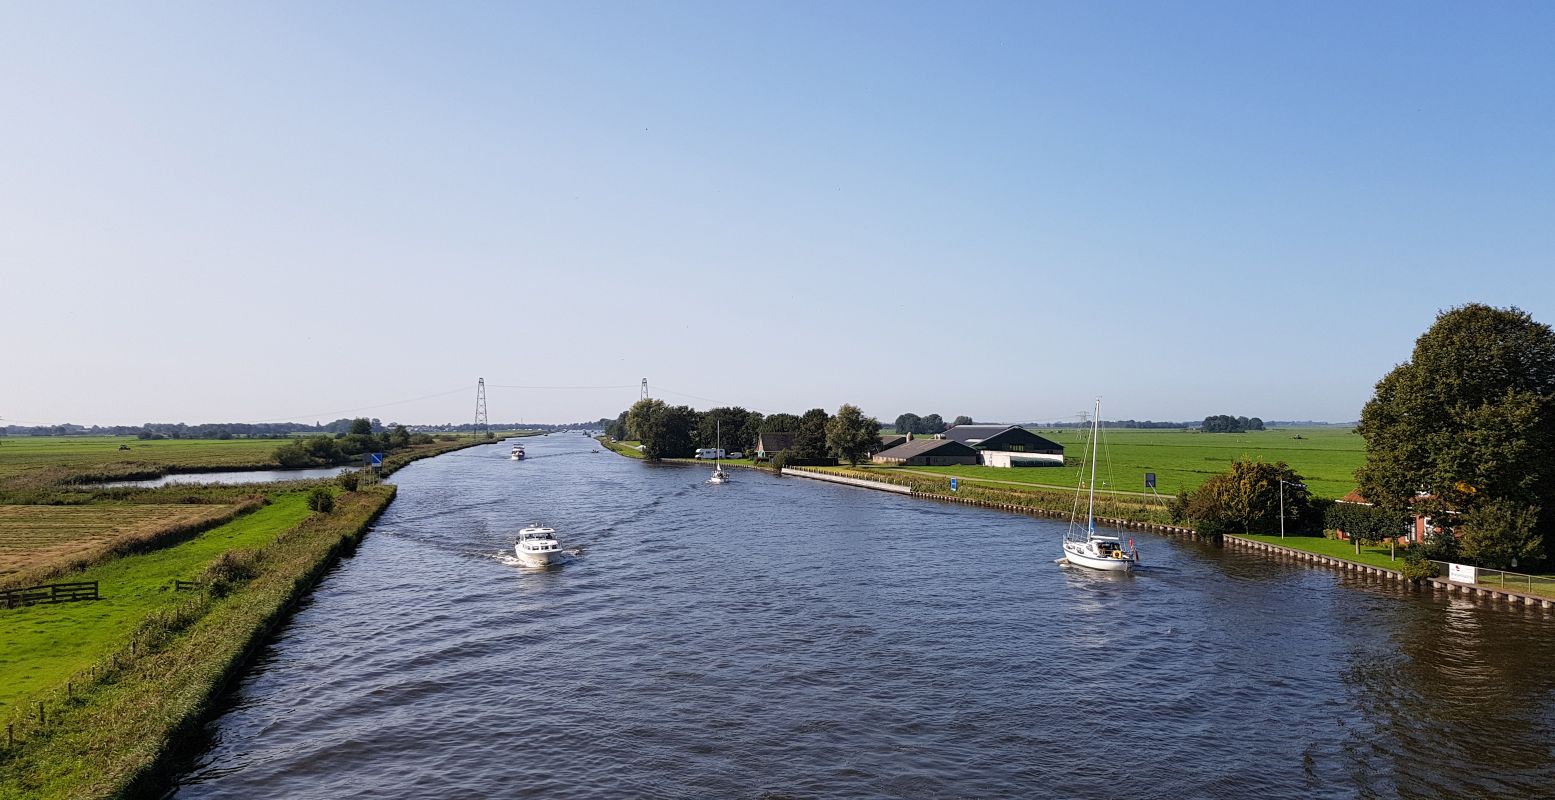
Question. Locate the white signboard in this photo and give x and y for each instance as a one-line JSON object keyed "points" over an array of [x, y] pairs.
{"points": [[1460, 573]]}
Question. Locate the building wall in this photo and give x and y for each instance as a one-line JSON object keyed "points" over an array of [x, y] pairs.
{"points": [[1006, 458]]}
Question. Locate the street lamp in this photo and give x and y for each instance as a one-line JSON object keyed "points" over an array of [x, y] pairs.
{"points": [[1296, 484]]}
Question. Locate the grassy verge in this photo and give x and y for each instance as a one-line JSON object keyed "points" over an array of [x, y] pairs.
{"points": [[149, 662], [1370, 555], [1121, 507], [624, 448]]}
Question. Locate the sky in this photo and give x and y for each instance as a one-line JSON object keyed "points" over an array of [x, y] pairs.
{"points": [[217, 212]]}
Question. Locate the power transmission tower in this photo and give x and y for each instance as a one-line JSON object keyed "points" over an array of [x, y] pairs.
{"points": [[644, 395], [482, 425]]}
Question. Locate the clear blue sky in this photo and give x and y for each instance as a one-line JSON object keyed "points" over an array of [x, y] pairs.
{"points": [[221, 211]]}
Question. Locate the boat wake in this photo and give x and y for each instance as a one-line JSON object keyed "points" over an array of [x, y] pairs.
{"points": [[508, 559]]}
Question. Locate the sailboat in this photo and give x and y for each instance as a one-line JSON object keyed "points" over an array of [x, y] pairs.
{"points": [[719, 476], [1094, 550]]}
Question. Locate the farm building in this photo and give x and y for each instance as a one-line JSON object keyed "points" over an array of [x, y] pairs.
{"points": [[1419, 526], [1008, 445], [927, 453], [770, 444], [890, 440]]}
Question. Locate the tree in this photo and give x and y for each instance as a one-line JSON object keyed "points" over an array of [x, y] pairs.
{"points": [[1500, 534], [668, 432], [963, 420], [361, 425], [638, 416], [932, 424], [735, 424], [399, 436], [851, 435], [1246, 499], [1365, 524], [810, 438], [1467, 421], [908, 423], [779, 423], [321, 500]]}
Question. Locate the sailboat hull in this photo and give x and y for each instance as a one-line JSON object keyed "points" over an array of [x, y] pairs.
{"points": [[1078, 556]]}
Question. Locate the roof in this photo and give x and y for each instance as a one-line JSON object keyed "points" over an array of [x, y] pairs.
{"points": [[965, 433], [775, 442], [982, 437], [1356, 497], [919, 447]]}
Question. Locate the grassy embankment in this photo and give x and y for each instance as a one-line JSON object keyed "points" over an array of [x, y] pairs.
{"points": [[144, 665], [628, 449], [122, 678], [1326, 458]]}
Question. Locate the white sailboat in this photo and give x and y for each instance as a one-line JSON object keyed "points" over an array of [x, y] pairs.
{"points": [[1094, 550], [719, 476]]}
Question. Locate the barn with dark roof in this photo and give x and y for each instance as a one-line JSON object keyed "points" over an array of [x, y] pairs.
{"points": [[1008, 445]]}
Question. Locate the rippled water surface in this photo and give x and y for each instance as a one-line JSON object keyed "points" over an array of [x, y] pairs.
{"points": [[786, 638], [244, 476]]}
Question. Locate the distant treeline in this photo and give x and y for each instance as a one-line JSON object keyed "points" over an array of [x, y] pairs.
{"points": [[1118, 423], [265, 430]]}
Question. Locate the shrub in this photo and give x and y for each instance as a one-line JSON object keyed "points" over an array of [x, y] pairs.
{"points": [[349, 481], [322, 500], [1416, 565]]}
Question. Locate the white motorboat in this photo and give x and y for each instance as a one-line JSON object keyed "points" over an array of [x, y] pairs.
{"points": [[517, 453], [1094, 550], [537, 547], [719, 476]]}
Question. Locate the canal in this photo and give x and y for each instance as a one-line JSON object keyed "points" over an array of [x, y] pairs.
{"points": [[777, 637]]}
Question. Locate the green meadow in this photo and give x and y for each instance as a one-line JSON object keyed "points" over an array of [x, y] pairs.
{"points": [[42, 645], [1326, 458]]}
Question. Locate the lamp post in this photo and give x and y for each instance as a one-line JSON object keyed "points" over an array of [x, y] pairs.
{"points": [[1282, 502]]}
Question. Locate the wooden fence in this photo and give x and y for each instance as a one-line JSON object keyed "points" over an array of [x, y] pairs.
{"points": [[50, 593]]}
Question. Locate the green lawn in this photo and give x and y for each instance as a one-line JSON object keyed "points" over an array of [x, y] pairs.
{"points": [[1371, 555], [40, 646], [47, 459], [1326, 458]]}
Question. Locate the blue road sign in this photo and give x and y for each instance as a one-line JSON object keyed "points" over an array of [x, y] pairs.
{"points": [[377, 459], [952, 484], [1149, 480]]}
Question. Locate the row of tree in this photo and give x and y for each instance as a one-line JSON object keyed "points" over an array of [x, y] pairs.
{"points": [[1225, 423], [342, 447], [929, 425], [667, 431]]}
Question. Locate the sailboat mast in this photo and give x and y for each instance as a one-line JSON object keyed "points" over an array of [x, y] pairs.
{"points": [[1090, 508], [718, 441]]}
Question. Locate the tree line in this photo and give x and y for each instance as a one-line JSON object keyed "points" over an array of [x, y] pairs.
{"points": [[929, 425], [667, 431], [342, 447], [1225, 423]]}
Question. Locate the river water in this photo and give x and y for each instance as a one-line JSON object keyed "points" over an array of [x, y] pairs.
{"points": [[245, 476], [784, 638]]}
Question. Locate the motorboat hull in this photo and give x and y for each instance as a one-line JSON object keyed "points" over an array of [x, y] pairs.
{"points": [[544, 559]]}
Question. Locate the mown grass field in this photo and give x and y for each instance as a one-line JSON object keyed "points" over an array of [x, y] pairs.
{"points": [[1326, 458], [32, 537], [41, 645], [36, 460]]}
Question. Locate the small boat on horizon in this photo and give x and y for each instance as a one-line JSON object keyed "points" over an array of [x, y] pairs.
{"points": [[517, 453]]}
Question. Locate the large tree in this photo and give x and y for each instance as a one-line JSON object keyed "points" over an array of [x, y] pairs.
{"points": [[908, 423], [1247, 499], [638, 416], [669, 431], [850, 435], [1469, 420], [963, 420], [810, 438], [738, 430], [779, 423]]}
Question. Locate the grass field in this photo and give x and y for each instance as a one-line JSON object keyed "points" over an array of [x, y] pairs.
{"points": [[1326, 458], [41, 645], [40, 460], [32, 537]]}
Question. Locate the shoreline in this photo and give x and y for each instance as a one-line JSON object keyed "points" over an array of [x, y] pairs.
{"points": [[1496, 597]]}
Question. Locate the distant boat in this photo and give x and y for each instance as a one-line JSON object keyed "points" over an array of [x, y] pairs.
{"points": [[1094, 550], [537, 547], [719, 476], [517, 453]]}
